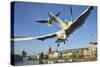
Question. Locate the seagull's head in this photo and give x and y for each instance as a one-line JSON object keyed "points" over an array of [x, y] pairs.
{"points": [[68, 22]]}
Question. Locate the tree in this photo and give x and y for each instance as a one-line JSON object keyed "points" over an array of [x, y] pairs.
{"points": [[24, 54], [41, 55]]}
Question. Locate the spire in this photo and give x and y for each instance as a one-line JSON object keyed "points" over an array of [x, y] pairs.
{"points": [[50, 50]]}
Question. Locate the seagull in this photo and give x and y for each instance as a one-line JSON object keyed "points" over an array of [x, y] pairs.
{"points": [[67, 28], [49, 20]]}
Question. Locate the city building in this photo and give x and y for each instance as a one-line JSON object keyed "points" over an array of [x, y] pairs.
{"points": [[87, 52], [93, 49]]}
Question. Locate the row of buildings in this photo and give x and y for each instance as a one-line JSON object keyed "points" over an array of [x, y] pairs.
{"points": [[88, 52]]}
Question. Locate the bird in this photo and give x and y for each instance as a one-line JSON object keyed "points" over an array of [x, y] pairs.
{"points": [[67, 28], [48, 20]]}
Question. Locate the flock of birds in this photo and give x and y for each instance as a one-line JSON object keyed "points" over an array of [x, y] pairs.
{"points": [[66, 28]]}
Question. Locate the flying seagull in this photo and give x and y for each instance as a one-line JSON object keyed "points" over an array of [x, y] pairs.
{"points": [[49, 20], [67, 28]]}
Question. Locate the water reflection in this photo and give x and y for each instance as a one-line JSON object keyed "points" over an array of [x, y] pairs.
{"points": [[35, 62], [44, 61], [30, 62]]}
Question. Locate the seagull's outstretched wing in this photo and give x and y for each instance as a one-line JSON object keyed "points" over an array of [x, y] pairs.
{"points": [[42, 38], [58, 14], [43, 21], [79, 21]]}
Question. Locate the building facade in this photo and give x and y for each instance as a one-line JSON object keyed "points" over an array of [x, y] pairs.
{"points": [[87, 52]]}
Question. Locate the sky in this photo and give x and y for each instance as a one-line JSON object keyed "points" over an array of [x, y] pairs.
{"points": [[27, 13]]}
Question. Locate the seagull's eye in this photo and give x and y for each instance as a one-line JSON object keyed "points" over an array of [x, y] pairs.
{"points": [[67, 23]]}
